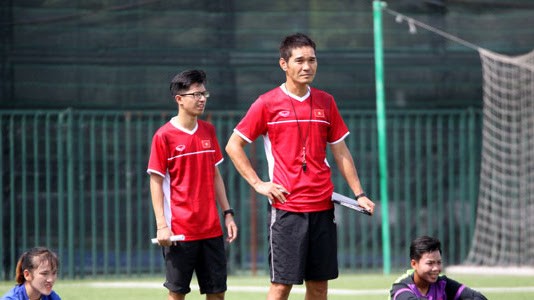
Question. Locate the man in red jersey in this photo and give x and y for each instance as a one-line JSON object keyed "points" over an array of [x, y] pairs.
{"points": [[297, 122], [185, 184]]}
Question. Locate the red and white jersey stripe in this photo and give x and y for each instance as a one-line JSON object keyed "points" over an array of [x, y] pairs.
{"points": [[317, 122], [187, 161]]}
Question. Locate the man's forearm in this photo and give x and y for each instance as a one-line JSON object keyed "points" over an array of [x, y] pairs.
{"points": [[236, 152], [347, 167], [156, 192], [220, 191]]}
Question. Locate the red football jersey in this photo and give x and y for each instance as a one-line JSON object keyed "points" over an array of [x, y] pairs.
{"points": [[288, 135], [187, 161]]}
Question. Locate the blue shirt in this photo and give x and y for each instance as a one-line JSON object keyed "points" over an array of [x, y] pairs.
{"points": [[19, 293]]}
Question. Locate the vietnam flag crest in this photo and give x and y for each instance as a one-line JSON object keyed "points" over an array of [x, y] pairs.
{"points": [[206, 144], [319, 113]]}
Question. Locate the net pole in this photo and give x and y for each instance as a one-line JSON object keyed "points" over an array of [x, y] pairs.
{"points": [[381, 128]]}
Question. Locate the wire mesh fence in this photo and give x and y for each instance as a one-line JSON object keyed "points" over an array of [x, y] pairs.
{"points": [[75, 181]]}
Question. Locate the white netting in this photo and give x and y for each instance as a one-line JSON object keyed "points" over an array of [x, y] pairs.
{"points": [[504, 233]]}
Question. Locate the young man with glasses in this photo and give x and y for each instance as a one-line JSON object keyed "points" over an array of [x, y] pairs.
{"points": [[297, 123], [185, 184]]}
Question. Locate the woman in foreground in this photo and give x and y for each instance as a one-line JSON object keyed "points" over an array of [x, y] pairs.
{"points": [[36, 274]]}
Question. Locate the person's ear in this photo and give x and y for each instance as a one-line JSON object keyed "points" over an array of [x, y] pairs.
{"points": [[177, 98], [413, 263], [27, 275], [283, 64]]}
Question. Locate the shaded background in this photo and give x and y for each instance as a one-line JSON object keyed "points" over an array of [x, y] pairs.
{"points": [[84, 84], [112, 54]]}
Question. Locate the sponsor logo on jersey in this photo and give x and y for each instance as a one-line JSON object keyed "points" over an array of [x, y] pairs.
{"points": [[180, 148], [318, 113], [284, 113], [206, 144]]}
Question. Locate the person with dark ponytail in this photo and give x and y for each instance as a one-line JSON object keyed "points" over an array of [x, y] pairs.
{"points": [[36, 274]]}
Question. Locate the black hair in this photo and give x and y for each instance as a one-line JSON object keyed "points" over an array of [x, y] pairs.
{"points": [[422, 245], [31, 260], [293, 41], [183, 80]]}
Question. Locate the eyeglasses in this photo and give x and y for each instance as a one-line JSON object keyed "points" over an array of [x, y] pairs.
{"points": [[198, 95]]}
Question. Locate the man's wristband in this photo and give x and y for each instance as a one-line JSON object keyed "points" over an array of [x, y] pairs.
{"points": [[359, 196], [228, 211]]}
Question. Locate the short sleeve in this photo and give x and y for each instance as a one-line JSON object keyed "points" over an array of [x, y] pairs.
{"points": [[157, 162], [254, 122], [339, 129]]}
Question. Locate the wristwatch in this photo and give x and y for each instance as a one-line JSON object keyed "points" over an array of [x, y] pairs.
{"points": [[228, 211]]}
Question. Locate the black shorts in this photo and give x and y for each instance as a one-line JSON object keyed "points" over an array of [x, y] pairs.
{"points": [[206, 258], [302, 246]]}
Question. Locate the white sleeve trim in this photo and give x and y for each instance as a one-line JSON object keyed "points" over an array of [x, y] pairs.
{"points": [[242, 136], [152, 171], [342, 138]]}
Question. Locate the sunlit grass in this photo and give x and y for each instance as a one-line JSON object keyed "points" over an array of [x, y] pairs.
{"points": [[347, 286]]}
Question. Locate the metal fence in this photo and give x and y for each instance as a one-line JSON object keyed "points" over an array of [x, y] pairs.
{"points": [[76, 181]]}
